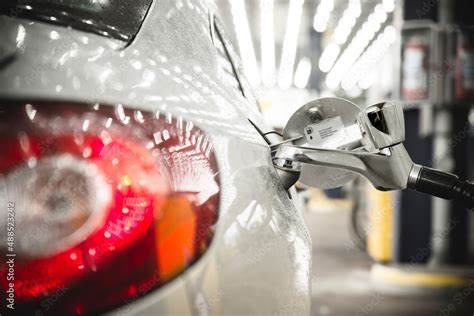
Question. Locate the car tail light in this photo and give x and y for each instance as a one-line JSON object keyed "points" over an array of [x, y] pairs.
{"points": [[106, 204]]}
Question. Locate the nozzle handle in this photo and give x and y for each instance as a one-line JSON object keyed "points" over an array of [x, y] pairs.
{"points": [[442, 184]]}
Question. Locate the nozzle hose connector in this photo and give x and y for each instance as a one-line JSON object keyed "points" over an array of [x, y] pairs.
{"points": [[441, 184]]}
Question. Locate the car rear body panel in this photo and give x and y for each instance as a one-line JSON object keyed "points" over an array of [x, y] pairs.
{"points": [[259, 261]]}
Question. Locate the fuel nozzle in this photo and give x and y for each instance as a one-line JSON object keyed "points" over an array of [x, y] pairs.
{"points": [[328, 141]]}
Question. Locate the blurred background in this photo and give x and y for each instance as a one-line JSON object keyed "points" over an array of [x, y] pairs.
{"points": [[375, 253]]}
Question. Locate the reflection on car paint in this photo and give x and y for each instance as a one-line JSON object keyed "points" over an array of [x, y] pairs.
{"points": [[260, 263]]}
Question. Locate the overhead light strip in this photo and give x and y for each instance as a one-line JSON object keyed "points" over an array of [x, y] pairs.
{"points": [[323, 15], [341, 33], [303, 72], [244, 39], [290, 42], [370, 59], [357, 46], [328, 57], [347, 22], [267, 42]]}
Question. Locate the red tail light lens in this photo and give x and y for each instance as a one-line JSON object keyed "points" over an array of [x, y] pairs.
{"points": [[104, 204]]}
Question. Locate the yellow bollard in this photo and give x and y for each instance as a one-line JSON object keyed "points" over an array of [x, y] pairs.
{"points": [[380, 229]]}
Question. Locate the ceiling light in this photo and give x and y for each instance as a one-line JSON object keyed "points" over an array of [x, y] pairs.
{"points": [[244, 40], [328, 57], [290, 43], [388, 5], [303, 72], [267, 42]]}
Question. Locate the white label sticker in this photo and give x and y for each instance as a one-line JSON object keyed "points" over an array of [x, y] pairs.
{"points": [[325, 134]]}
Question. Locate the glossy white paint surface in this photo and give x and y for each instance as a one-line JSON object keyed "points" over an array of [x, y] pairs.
{"points": [[260, 258]]}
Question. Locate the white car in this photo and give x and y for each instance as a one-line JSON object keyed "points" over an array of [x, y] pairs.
{"points": [[135, 171]]}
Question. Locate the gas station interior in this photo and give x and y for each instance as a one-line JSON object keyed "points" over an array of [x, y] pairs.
{"points": [[375, 253]]}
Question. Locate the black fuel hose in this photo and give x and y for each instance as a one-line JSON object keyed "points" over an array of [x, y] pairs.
{"points": [[443, 185]]}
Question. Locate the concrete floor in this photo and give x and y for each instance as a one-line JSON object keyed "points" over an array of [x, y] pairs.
{"points": [[341, 280]]}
